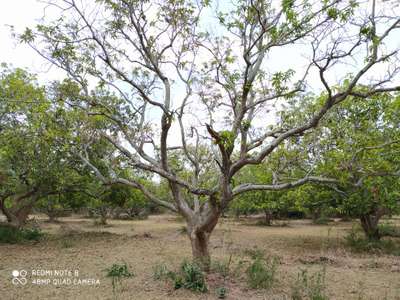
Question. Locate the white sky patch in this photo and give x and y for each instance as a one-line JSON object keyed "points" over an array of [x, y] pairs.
{"points": [[21, 14]]}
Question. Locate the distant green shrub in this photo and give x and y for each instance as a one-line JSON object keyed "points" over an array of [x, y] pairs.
{"points": [[323, 220], [31, 234], [11, 235], [358, 243]]}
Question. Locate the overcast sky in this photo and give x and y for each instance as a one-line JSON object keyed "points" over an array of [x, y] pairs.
{"points": [[22, 14], [26, 13]]}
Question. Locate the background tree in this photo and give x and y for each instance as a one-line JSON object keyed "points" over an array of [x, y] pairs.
{"points": [[271, 203], [363, 155], [316, 201], [214, 88], [32, 163], [358, 144]]}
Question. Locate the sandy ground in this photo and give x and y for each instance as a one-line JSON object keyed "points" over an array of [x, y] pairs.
{"points": [[76, 244]]}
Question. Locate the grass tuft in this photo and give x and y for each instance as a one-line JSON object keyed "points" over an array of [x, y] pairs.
{"points": [[310, 286], [261, 273]]}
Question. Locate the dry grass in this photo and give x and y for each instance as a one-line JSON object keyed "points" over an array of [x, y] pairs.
{"points": [[75, 243]]}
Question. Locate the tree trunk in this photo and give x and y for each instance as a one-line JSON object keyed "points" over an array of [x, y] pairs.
{"points": [[200, 251], [199, 231], [103, 219], [22, 206], [369, 224], [18, 217], [237, 214], [315, 214], [117, 213], [268, 217], [103, 212], [17, 220], [6, 212], [51, 213], [52, 217]]}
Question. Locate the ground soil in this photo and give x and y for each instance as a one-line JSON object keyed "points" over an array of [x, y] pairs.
{"points": [[75, 243]]}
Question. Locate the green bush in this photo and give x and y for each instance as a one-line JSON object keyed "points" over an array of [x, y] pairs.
{"points": [[33, 234], [261, 272], [189, 276], [9, 235], [323, 220], [358, 243], [117, 273], [193, 277], [310, 287], [13, 235]]}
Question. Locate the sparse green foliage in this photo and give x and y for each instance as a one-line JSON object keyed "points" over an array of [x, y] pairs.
{"points": [[193, 277], [117, 272], [322, 220], [190, 276], [261, 272], [67, 242], [222, 267], [227, 139], [160, 272], [254, 253], [12, 235], [359, 243], [311, 287], [183, 230]]}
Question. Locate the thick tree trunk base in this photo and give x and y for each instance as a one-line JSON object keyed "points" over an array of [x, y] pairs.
{"points": [[370, 226], [17, 221], [103, 221], [268, 218], [200, 251]]}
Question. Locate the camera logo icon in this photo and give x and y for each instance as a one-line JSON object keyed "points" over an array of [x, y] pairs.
{"points": [[19, 277]]}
